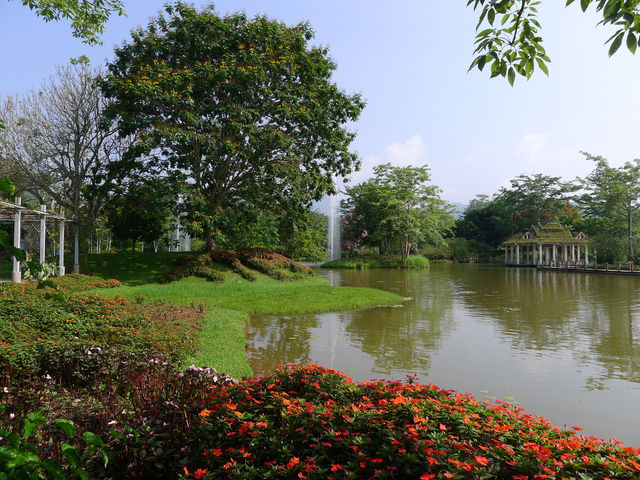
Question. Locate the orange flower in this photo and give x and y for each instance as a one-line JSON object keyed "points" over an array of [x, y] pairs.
{"points": [[293, 461], [482, 460]]}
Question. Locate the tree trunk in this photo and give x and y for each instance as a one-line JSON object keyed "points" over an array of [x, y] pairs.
{"points": [[133, 245], [630, 235], [211, 243]]}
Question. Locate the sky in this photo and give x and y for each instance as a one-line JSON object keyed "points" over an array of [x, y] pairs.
{"points": [[409, 60]]}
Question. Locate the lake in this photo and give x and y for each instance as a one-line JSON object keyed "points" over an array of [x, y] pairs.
{"points": [[565, 346]]}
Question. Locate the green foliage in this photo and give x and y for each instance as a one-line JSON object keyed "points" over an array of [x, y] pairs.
{"points": [[535, 199], [21, 460], [7, 188], [242, 108], [364, 263], [613, 196], [194, 266], [508, 37], [313, 421], [34, 270], [415, 261], [144, 211], [87, 18], [396, 205]]}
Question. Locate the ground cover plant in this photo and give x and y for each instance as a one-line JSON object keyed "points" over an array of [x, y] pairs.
{"points": [[312, 422], [364, 263]]}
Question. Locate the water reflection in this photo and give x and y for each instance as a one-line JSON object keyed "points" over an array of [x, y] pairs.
{"points": [[564, 345]]}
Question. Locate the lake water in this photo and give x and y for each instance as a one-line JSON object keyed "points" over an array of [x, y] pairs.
{"points": [[565, 346]]}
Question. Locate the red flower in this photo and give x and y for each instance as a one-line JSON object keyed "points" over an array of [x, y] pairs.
{"points": [[428, 476], [199, 473], [293, 461], [336, 466], [482, 460]]}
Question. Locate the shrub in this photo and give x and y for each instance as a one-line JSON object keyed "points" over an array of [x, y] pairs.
{"points": [[415, 261], [313, 422], [273, 264], [189, 265]]}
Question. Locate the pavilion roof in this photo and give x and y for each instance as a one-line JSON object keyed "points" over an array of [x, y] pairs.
{"points": [[548, 233]]}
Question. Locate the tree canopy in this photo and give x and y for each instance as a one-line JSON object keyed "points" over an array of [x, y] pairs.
{"points": [[241, 109], [397, 205], [88, 17], [508, 35]]}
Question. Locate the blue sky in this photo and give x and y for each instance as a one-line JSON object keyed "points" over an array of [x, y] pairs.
{"points": [[409, 60]]}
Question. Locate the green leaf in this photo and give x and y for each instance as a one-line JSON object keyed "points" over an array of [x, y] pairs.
{"points": [[569, 2], [632, 42], [92, 439], [70, 453], [542, 66], [584, 4], [615, 45], [54, 469], [511, 76], [491, 16], [66, 426]]}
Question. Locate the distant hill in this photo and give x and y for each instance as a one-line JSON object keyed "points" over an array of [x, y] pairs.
{"points": [[460, 208]]}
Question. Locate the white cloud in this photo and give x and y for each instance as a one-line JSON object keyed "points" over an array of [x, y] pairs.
{"points": [[531, 148], [399, 154], [539, 153]]}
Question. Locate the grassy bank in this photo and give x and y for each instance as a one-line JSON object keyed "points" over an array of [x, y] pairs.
{"points": [[229, 302], [363, 263]]}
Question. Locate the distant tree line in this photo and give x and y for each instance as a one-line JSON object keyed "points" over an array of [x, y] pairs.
{"points": [[605, 205]]}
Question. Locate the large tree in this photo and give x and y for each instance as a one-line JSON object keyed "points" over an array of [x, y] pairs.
{"points": [[243, 109], [613, 196], [401, 206], [53, 146], [509, 41], [536, 198]]}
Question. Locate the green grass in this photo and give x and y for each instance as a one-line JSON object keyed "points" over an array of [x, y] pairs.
{"points": [[264, 297], [222, 341], [363, 263]]}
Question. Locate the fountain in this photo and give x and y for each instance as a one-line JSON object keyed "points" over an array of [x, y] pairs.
{"points": [[333, 237]]}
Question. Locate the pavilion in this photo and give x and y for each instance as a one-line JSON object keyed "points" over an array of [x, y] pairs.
{"points": [[550, 245], [17, 214]]}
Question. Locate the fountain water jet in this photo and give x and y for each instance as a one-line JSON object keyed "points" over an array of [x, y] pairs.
{"points": [[333, 237]]}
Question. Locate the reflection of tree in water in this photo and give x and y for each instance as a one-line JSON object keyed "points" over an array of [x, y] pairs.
{"points": [[612, 328], [595, 317], [274, 341], [405, 338]]}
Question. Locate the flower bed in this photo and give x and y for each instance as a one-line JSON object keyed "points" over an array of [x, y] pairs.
{"points": [[313, 422]]}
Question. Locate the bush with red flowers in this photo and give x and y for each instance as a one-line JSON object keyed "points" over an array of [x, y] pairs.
{"points": [[315, 423]]}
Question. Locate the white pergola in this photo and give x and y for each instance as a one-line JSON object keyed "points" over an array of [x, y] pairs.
{"points": [[17, 214]]}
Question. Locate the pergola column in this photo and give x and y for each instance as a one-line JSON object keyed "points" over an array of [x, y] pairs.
{"points": [[554, 254], [61, 270], [43, 228], [16, 274], [518, 254], [586, 254], [539, 254]]}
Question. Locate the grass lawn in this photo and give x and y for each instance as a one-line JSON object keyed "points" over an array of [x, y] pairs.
{"points": [[229, 304]]}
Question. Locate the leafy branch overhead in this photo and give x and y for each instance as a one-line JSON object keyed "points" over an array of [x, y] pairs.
{"points": [[508, 37], [88, 18]]}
